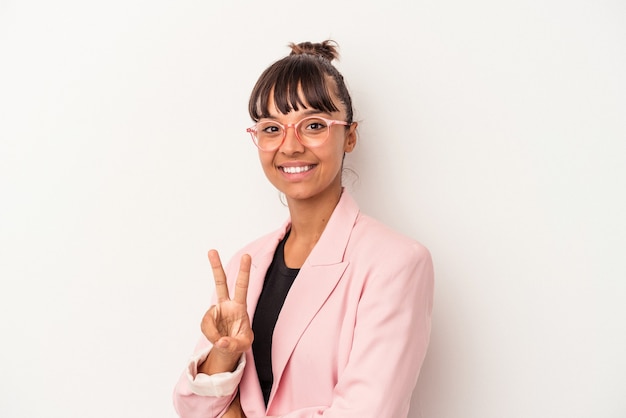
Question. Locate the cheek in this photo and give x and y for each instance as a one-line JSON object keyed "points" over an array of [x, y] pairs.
{"points": [[266, 159], [339, 151], [268, 167]]}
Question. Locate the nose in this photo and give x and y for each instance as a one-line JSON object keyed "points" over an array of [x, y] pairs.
{"points": [[291, 144]]}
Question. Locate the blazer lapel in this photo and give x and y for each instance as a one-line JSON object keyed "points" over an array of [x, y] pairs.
{"points": [[315, 282], [252, 399]]}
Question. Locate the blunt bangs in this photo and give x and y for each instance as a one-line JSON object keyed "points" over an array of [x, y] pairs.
{"points": [[295, 82]]}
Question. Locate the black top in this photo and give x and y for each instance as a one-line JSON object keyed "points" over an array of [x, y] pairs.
{"points": [[278, 281]]}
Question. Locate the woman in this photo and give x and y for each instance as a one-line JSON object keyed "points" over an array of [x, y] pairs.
{"points": [[330, 314]]}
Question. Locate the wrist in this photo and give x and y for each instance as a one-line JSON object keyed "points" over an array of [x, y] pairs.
{"points": [[219, 362]]}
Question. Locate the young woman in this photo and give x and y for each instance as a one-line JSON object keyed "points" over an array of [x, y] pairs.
{"points": [[330, 314]]}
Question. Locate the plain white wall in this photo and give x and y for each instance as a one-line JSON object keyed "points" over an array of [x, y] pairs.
{"points": [[492, 131]]}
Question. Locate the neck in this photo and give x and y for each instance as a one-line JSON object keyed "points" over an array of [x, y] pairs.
{"points": [[309, 217], [308, 221]]}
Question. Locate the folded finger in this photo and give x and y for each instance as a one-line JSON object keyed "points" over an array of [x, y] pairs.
{"points": [[209, 327]]}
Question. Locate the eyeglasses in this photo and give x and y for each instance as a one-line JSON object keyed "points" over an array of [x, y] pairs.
{"points": [[311, 132]]}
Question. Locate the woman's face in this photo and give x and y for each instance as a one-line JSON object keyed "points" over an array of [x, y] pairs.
{"points": [[302, 172]]}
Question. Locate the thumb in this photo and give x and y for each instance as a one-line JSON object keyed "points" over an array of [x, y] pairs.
{"points": [[227, 344]]}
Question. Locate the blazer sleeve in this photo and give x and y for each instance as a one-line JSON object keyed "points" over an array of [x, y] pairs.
{"points": [[390, 341], [197, 395]]}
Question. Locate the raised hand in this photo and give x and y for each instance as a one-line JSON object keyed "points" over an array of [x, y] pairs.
{"points": [[226, 324]]}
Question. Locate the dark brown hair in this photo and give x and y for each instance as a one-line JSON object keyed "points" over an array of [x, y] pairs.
{"points": [[307, 68]]}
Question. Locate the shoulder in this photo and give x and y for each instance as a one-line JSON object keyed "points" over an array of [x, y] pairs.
{"points": [[384, 260], [261, 246], [261, 243], [388, 264], [376, 239]]}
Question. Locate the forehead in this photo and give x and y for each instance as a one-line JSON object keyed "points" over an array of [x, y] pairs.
{"points": [[322, 99]]}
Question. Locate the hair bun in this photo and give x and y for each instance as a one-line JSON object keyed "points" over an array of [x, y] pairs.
{"points": [[326, 49]]}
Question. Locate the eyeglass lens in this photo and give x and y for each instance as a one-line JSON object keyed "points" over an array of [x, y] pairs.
{"points": [[311, 131]]}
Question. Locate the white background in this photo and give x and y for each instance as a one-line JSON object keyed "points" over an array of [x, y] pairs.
{"points": [[492, 131]]}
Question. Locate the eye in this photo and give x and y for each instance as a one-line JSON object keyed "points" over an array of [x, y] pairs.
{"points": [[269, 128], [315, 125]]}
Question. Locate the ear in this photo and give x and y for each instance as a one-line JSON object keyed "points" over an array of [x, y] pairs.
{"points": [[351, 138]]}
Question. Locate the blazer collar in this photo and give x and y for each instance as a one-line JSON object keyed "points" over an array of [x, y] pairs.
{"points": [[330, 249], [316, 280]]}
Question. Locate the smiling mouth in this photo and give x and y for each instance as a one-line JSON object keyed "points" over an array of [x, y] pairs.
{"points": [[296, 170]]}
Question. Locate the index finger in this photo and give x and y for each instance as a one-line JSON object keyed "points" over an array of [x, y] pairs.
{"points": [[221, 287], [243, 278]]}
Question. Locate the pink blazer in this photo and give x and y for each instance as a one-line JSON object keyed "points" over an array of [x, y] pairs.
{"points": [[352, 334]]}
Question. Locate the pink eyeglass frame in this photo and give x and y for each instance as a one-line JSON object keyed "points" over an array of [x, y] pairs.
{"points": [[329, 122]]}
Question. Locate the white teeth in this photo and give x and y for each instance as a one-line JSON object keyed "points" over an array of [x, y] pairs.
{"points": [[295, 170]]}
